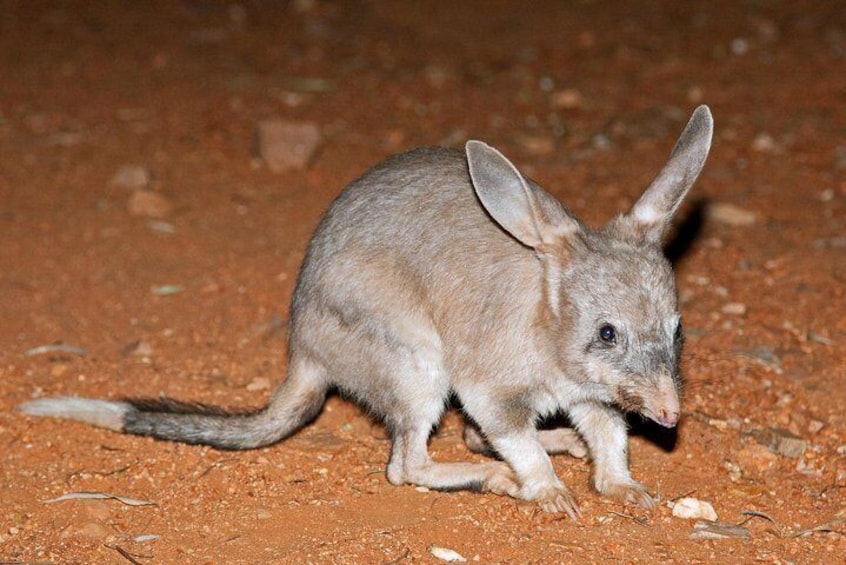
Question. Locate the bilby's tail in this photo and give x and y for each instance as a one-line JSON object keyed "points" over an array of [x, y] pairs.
{"points": [[296, 403]]}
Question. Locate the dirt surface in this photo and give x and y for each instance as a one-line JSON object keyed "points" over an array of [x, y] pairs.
{"points": [[138, 222]]}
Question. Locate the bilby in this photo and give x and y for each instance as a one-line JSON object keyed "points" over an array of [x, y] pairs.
{"points": [[441, 273]]}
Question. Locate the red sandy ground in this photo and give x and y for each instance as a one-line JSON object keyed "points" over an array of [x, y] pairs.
{"points": [[587, 97]]}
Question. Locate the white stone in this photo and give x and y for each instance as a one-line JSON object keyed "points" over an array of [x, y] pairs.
{"points": [[693, 508]]}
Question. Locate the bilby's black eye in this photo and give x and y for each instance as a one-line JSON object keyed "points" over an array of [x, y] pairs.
{"points": [[679, 331], [608, 334]]}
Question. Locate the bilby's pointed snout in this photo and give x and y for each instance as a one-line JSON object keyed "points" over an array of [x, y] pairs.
{"points": [[663, 405]]}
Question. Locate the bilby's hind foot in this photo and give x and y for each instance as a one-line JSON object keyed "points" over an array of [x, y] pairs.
{"points": [[555, 441], [492, 477], [563, 440]]}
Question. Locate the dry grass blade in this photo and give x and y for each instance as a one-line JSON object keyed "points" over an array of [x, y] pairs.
{"points": [[55, 348], [830, 526], [756, 514], [680, 496], [128, 556], [704, 529], [637, 520], [100, 496]]}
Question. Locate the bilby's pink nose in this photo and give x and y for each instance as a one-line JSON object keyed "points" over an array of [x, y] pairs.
{"points": [[668, 419], [663, 406]]}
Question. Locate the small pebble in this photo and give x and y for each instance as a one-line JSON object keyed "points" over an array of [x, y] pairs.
{"points": [[263, 514], [602, 141], [286, 146], [133, 177], [731, 215], [567, 99], [138, 348], [764, 143], [537, 144], [695, 95], [259, 383], [734, 471], [167, 289], [161, 227], [146, 203], [734, 308], [739, 46], [815, 425], [437, 75]]}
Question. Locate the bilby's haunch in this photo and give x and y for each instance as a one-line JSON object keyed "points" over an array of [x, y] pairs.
{"points": [[441, 273]]}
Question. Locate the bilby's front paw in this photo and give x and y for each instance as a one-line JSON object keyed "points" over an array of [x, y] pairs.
{"points": [[554, 499], [632, 493]]}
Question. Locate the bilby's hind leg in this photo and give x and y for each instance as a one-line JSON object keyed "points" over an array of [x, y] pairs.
{"points": [[554, 441], [411, 464], [411, 425]]}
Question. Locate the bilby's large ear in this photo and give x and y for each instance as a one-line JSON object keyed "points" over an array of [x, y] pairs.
{"points": [[523, 209], [651, 214]]}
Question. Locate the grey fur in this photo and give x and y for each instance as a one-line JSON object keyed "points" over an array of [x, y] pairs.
{"points": [[440, 272]]}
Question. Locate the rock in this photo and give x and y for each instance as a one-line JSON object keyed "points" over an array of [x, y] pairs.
{"points": [[446, 554], [765, 355], [731, 215], [92, 530], [780, 442], [693, 508], [137, 348], [146, 203], [756, 459], [133, 177], [815, 425], [286, 146]]}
